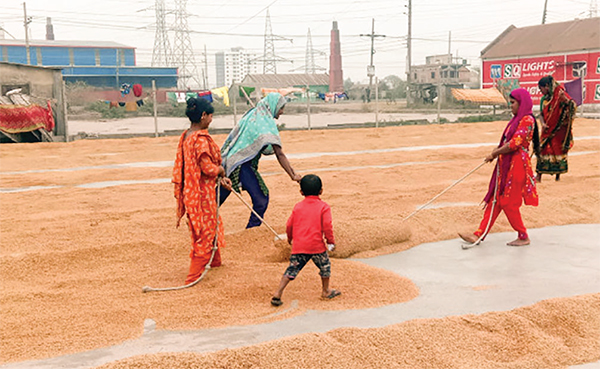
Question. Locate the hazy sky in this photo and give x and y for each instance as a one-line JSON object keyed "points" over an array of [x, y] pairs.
{"points": [[223, 24]]}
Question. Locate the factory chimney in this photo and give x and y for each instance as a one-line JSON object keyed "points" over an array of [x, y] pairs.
{"points": [[49, 29], [336, 75]]}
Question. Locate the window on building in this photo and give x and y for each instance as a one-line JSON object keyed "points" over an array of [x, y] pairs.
{"points": [[24, 88], [452, 74], [415, 77], [432, 75]]}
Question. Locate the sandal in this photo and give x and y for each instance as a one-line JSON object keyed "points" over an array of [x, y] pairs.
{"points": [[332, 294], [276, 301]]}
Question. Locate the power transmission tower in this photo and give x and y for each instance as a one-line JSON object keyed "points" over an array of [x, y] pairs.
{"points": [[161, 54], [593, 9], [269, 58], [545, 12], [310, 67], [309, 60], [183, 54], [371, 67]]}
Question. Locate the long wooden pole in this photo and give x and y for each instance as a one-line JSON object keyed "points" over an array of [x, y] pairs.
{"points": [[308, 105], [376, 102], [236, 93], [155, 108], [247, 98]]}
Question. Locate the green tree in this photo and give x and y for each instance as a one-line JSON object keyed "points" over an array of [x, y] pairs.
{"points": [[395, 85], [348, 84]]}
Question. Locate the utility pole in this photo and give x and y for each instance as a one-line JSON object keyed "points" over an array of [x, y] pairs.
{"points": [[409, 54], [371, 67], [449, 47], [205, 68], [544, 15], [26, 22]]}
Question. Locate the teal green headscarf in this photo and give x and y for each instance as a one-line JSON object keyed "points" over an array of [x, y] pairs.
{"points": [[254, 134]]}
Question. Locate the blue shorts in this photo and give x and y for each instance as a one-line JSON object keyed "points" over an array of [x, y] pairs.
{"points": [[298, 261]]}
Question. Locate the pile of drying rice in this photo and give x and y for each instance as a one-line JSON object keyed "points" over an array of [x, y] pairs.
{"points": [[551, 334]]}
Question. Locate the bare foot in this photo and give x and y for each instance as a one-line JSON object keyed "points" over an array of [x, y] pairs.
{"points": [[468, 237], [557, 177], [519, 242]]}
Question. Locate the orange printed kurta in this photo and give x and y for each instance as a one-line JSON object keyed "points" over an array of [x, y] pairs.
{"points": [[194, 176]]}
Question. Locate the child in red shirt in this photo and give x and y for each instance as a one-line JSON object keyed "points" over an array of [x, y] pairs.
{"points": [[309, 222]]}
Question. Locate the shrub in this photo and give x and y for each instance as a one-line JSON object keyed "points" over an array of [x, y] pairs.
{"points": [[105, 110]]}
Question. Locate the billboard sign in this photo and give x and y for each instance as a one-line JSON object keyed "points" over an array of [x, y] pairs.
{"points": [[529, 70]]}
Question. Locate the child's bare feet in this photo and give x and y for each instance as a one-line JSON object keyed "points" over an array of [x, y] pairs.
{"points": [[519, 242], [468, 237], [331, 294]]}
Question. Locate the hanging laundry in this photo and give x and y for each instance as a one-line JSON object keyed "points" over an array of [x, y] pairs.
{"points": [[248, 91], [190, 94], [121, 104], [222, 92], [137, 90], [131, 106], [140, 102], [207, 95], [282, 91], [172, 97], [113, 104], [125, 89]]}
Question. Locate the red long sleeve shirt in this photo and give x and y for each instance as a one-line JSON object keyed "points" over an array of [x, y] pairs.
{"points": [[309, 222]]}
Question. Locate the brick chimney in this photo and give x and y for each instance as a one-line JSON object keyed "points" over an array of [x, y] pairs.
{"points": [[336, 75], [49, 29]]}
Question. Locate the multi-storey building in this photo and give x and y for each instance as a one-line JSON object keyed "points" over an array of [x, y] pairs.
{"points": [[233, 66]]}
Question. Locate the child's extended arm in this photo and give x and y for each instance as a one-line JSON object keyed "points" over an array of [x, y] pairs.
{"points": [[327, 225], [289, 228]]}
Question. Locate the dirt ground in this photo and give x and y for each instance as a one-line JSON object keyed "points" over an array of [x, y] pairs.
{"points": [[73, 260]]}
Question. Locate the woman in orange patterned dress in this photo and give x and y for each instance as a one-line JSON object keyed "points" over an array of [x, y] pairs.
{"points": [[512, 182], [195, 175]]}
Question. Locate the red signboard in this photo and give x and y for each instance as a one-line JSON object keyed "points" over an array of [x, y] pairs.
{"points": [[564, 68]]}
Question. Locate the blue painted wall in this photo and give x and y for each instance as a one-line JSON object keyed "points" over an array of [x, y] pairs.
{"points": [[80, 64]]}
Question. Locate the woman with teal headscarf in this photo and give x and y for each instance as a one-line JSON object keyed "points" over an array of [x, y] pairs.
{"points": [[255, 135]]}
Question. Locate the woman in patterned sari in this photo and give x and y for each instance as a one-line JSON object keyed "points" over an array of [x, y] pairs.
{"points": [[512, 181], [557, 114], [255, 135], [195, 174]]}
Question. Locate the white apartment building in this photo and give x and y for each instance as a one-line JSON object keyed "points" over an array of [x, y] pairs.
{"points": [[234, 65]]}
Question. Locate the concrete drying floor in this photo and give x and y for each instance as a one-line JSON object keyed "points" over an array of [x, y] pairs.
{"points": [[86, 224], [562, 261]]}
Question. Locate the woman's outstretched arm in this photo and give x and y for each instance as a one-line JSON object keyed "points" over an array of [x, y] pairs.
{"points": [[285, 163]]}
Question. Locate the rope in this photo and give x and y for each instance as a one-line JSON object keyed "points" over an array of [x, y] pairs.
{"points": [[443, 192], [487, 228], [207, 267], [255, 213]]}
